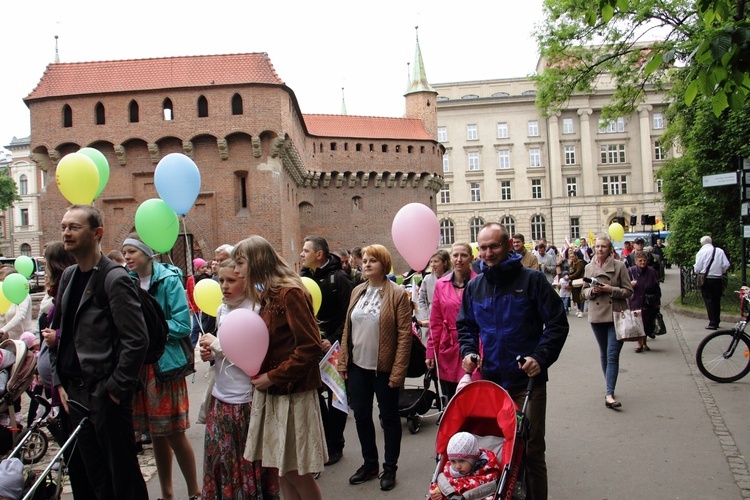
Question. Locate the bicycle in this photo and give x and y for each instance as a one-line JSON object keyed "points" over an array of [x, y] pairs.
{"points": [[724, 356]]}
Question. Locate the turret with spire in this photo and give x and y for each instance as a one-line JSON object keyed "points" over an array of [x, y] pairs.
{"points": [[420, 96]]}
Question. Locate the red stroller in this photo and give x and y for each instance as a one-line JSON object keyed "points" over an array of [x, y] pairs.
{"points": [[486, 410]]}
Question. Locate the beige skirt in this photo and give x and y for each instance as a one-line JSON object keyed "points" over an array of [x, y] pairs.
{"points": [[286, 432]]}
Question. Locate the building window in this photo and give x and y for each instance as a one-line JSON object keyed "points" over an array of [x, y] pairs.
{"points": [[538, 228], [447, 236], [568, 126], [26, 249], [202, 107], [133, 112], [357, 203], [23, 185], [67, 116], [474, 161], [243, 191], [575, 228], [533, 128], [502, 130], [612, 126], [24, 217], [99, 113], [570, 155], [613, 153], [471, 132], [658, 121], [503, 158], [442, 134], [333, 146], [536, 188], [168, 109], [572, 185], [445, 194], [509, 223], [236, 104], [659, 185], [475, 225], [658, 151], [535, 157], [614, 184], [505, 192], [474, 191], [446, 163]]}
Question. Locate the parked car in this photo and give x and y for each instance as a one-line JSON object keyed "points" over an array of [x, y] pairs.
{"points": [[36, 280]]}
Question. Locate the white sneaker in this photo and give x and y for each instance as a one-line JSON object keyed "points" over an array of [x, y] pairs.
{"points": [[579, 314]]}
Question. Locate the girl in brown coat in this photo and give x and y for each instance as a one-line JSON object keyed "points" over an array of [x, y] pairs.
{"points": [[374, 357]]}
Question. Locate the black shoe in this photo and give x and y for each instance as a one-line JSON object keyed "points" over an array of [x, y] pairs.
{"points": [[146, 438], [138, 448], [711, 327], [364, 473], [333, 457], [388, 479]]}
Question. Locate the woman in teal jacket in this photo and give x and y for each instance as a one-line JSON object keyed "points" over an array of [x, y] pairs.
{"points": [[162, 407]]}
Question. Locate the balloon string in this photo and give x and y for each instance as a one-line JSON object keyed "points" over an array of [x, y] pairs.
{"points": [[188, 247]]}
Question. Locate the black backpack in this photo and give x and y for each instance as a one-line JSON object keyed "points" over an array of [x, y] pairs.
{"points": [[153, 315]]}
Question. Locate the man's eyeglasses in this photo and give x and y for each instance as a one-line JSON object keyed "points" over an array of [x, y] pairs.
{"points": [[73, 228]]}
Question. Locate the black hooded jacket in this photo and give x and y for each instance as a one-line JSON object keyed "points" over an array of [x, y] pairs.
{"points": [[336, 290]]}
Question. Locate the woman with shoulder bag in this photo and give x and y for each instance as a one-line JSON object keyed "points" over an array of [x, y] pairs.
{"points": [[646, 295], [610, 294]]}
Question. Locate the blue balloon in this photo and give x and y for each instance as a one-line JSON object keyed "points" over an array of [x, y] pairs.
{"points": [[178, 182]]}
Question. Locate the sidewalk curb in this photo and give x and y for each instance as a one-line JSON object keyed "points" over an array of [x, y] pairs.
{"points": [[735, 460]]}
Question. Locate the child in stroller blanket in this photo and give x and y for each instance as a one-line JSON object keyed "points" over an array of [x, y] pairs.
{"points": [[470, 473]]}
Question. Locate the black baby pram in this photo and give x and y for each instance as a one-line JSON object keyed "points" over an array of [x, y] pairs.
{"points": [[415, 401]]}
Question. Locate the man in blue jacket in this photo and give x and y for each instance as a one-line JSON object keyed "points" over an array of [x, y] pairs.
{"points": [[513, 311]]}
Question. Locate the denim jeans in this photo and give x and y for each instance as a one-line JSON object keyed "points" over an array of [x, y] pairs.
{"points": [[363, 386], [609, 351]]}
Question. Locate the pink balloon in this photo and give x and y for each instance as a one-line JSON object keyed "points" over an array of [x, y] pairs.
{"points": [[244, 339], [416, 234]]}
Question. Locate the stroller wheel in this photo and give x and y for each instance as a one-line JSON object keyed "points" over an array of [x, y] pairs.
{"points": [[34, 448], [414, 423]]}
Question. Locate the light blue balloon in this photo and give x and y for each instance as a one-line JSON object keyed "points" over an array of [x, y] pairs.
{"points": [[178, 182]]}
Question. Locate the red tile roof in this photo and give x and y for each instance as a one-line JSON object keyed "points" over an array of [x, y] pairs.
{"points": [[152, 74], [366, 127]]}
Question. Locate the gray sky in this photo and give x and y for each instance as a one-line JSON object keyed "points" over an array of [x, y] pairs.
{"points": [[316, 47]]}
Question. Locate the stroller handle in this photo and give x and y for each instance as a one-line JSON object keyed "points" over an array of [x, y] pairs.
{"points": [[79, 407]]}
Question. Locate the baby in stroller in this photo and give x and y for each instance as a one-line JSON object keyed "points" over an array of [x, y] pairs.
{"points": [[469, 467], [7, 360]]}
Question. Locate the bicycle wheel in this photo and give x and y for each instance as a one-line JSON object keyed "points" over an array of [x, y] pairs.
{"points": [[722, 358]]}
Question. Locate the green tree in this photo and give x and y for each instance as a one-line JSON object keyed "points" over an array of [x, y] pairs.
{"points": [[581, 40], [8, 190]]}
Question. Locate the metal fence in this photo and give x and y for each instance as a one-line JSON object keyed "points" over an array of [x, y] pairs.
{"points": [[690, 294]]}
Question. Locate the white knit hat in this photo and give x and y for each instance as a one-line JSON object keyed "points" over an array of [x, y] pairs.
{"points": [[463, 446], [11, 478]]}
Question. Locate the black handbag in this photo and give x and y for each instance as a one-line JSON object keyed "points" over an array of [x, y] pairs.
{"points": [[659, 328]]}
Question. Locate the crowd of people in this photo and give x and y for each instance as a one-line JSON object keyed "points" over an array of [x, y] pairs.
{"points": [[497, 309]]}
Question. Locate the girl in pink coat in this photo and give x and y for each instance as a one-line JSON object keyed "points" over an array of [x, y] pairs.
{"points": [[442, 342]]}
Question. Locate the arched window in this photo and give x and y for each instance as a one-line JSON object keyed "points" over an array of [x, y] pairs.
{"points": [[357, 202], [168, 109], [23, 184], [538, 228], [447, 233], [202, 107], [26, 249], [67, 116], [509, 223], [236, 104], [99, 112], [475, 225], [134, 112]]}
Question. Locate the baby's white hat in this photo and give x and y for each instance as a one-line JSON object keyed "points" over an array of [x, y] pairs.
{"points": [[463, 446]]}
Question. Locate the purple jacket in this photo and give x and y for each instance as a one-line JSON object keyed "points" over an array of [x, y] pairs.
{"points": [[442, 341]]}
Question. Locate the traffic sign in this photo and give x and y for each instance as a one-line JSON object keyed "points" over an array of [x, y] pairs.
{"points": [[720, 180]]}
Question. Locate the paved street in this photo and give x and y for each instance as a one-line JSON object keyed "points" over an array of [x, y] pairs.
{"points": [[677, 436]]}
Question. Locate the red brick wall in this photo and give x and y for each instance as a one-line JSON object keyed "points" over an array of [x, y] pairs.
{"points": [[274, 196]]}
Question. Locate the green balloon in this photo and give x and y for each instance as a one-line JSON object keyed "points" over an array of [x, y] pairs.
{"points": [[578, 242], [157, 225], [15, 288], [102, 166], [24, 265]]}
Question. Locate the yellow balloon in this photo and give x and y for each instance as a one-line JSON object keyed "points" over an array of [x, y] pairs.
{"points": [[207, 295], [474, 250], [314, 290], [616, 231], [77, 178], [4, 302]]}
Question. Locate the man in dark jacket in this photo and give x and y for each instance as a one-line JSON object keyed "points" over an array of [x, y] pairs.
{"points": [[324, 267], [516, 312], [101, 350]]}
